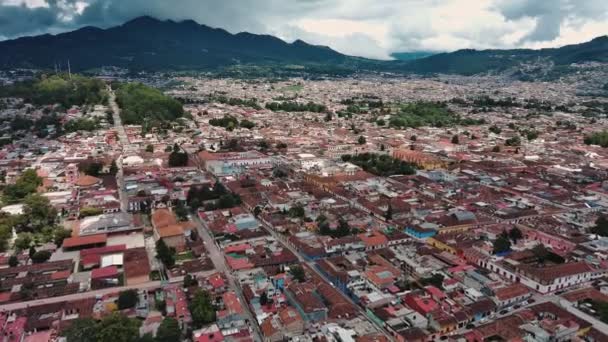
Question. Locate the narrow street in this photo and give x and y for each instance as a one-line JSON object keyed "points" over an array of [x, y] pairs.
{"points": [[219, 262], [125, 145], [311, 265]]}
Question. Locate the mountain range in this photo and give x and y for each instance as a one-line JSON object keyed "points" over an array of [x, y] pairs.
{"points": [[147, 43]]}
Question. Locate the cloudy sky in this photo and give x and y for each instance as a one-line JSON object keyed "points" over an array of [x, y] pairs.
{"points": [[369, 28]]}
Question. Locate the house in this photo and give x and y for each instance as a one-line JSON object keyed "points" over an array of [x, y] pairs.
{"points": [[511, 294], [419, 232], [105, 277], [375, 240], [558, 277], [136, 266], [84, 242], [233, 314], [482, 309], [287, 323], [305, 299], [167, 228]]}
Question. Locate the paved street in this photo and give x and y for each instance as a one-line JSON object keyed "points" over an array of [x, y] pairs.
{"points": [[124, 143], [219, 262], [311, 265]]}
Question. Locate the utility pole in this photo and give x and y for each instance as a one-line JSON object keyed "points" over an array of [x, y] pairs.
{"points": [[69, 70]]}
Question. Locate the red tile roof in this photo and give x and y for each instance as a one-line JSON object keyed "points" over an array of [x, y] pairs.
{"points": [[79, 241], [511, 291], [103, 250], [104, 272]]}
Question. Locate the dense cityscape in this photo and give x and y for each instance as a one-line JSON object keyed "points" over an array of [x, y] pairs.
{"points": [[357, 209], [166, 181]]}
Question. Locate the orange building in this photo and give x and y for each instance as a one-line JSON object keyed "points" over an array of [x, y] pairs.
{"points": [[420, 159]]}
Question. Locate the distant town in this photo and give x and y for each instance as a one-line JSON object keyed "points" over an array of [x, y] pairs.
{"points": [[369, 208]]}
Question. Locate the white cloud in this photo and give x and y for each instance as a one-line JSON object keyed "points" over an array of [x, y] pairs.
{"points": [[369, 28]]}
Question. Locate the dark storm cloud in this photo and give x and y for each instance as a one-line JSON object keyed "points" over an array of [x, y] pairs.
{"points": [[404, 25], [551, 14], [19, 20], [235, 16]]}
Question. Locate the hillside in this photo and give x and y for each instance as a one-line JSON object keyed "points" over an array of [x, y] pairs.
{"points": [[146, 43]]}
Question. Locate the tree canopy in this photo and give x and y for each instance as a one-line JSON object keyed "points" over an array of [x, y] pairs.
{"points": [[59, 89], [380, 164], [502, 244], [597, 138], [202, 309], [142, 104], [26, 184], [601, 226], [127, 299], [168, 331], [113, 328]]}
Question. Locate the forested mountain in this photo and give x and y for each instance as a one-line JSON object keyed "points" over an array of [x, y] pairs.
{"points": [[146, 43]]}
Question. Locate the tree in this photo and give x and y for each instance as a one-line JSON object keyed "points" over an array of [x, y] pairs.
{"points": [[169, 331], [263, 298], [41, 256], [26, 184], [150, 148], [90, 211], [247, 124], [13, 261], [297, 211], [502, 244], [118, 328], [190, 281], [23, 241], [513, 141], [361, 140], [496, 149], [515, 234], [495, 129], [141, 104], [39, 212], [147, 338], [343, 228], [540, 252], [297, 272], [92, 168], [279, 172], [127, 299], [178, 158], [435, 279], [113, 168], [81, 330], [31, 252], [257, 211], [165, 254], [61, 234], [328, 117], [601, 226], [181, 212], [264, 145], [455, 139], [388, 215], [202, 309], [413, 138]]}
